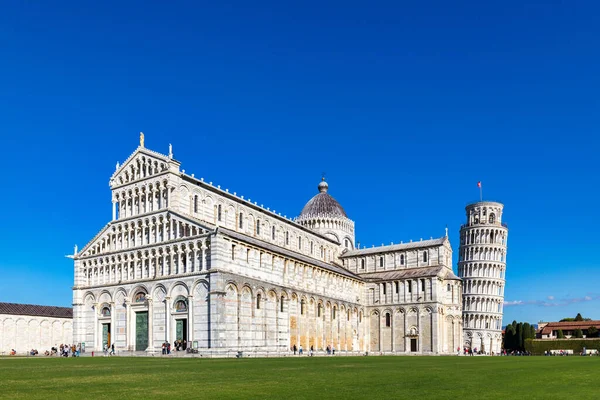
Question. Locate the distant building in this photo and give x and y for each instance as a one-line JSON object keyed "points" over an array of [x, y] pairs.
{"points": [[26, 326], [549, 330]]}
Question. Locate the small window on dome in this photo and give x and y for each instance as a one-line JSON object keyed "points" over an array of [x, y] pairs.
{"points": [[105, 312]]}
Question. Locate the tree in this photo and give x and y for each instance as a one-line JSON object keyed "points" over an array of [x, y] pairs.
{"points": [[519, 341], [560, 334], [578, 317], [592, 331], [578, 333], [509, 337]]}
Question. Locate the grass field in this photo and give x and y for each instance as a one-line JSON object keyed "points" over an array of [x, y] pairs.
{"points": [[301, 378]]}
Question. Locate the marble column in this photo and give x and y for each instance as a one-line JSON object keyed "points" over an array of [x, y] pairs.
{"points": [[150, 325], [190, 324]]}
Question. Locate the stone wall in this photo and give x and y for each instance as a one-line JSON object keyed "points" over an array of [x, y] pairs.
{"points": [[25, 332]]}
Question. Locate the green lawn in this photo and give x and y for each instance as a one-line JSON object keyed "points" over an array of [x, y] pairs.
{"points": [[301, 378]]}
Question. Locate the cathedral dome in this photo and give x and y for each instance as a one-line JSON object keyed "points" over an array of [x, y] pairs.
{"points": [[323, 205]]}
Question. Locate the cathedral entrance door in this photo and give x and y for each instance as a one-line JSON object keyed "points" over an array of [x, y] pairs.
{"points": [[141, 331], [106, 335], [413, 345], [181, 329]]}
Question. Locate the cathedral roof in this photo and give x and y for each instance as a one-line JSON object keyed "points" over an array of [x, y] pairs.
{"points": [[410, 273], [35, 310], [395, 247], [323, 205]]}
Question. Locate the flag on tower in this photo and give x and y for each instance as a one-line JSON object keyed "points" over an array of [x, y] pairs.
{"points": [[479, 184]]}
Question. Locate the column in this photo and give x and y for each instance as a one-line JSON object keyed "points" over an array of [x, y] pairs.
{"points": [[435, 331], [167, 319], [112, 322], [150, 325], [96, 336], [190, 324], [127, 325]]}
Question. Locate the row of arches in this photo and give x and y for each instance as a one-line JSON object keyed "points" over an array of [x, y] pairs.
{"points": [[483, 236], [343, 224], [482, 321], [279, 319], [139, 168], [481, 270], [482, 254], [477, 214], [141, 199], [141, 232], [163, 261], [23, 333], [483, 286], [471, 303]]}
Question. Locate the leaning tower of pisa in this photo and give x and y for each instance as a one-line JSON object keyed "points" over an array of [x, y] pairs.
{"points": [[482, 266]]}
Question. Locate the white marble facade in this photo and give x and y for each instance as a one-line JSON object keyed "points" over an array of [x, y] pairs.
{"points": [[185, 259]]}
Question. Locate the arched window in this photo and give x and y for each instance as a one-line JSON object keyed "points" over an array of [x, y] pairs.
{"points": [[281, 304], [425, 256], [258, 298], [241, 220], [302, 303], [397, 287], [257, 227], [388, 320], [492, 218], [401, 259], [334, 312], [219, 212], [348, 317], [105, 312], [299, 243], [273, 233], [448, 288], [381, 262], [195, 203], [311, 247], [319, 307], [384, 288], [346, 243], [287, 238], [362, 263]]}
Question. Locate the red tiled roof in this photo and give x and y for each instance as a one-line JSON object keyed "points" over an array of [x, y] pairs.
{"points": [[568, 326], [37, 311]]}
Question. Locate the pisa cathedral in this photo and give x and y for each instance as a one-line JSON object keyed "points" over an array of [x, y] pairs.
{"points": [[183, 259]]}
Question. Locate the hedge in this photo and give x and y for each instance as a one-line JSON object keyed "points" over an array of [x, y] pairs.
{"points": [[539, 346]]}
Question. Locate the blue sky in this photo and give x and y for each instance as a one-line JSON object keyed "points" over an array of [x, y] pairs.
{"points": [[404, 105]]}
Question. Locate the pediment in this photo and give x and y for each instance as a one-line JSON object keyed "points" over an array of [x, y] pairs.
{"points": [[141, 164]]}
